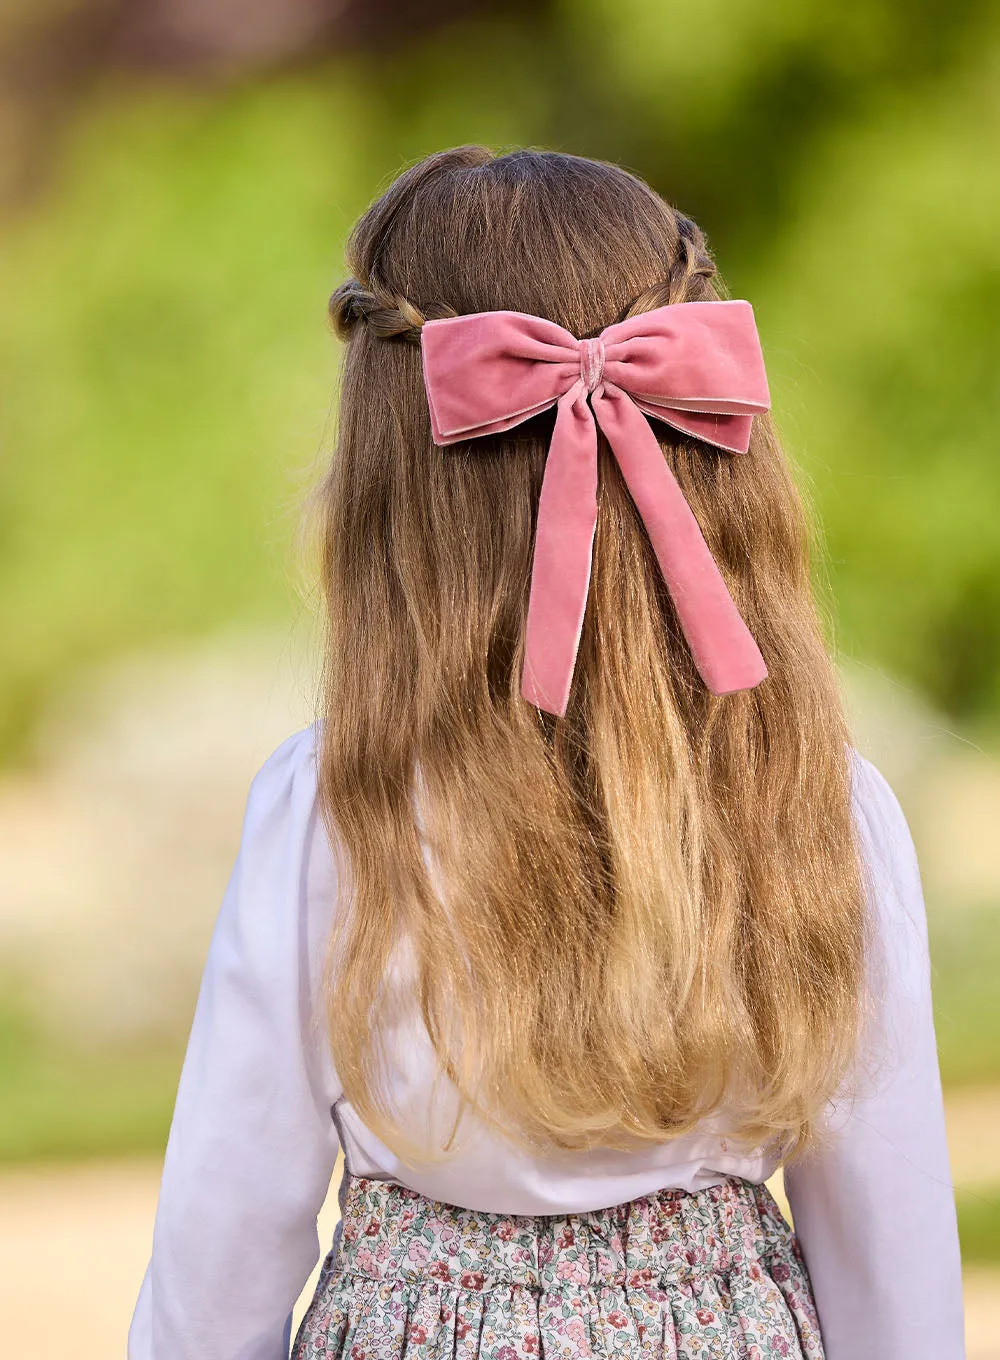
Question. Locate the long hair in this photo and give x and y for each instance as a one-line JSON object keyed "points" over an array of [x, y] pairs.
{"points": [[632, 917]]}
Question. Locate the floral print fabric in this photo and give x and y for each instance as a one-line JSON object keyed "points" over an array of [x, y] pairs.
{"points": [[714, 1274]]}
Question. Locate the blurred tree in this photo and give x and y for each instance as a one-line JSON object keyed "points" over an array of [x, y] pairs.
{"points": [[725, 103], [53, 51], [162, 325]]}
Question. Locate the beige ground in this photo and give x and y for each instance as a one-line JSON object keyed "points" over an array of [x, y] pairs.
{"points": [[74, 1243]]}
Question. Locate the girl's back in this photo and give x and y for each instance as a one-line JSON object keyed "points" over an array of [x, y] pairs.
{"points": [[576, 915]]}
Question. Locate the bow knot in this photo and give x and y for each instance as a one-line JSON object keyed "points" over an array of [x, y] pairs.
{"points": [[591, 362], [696, 366]]}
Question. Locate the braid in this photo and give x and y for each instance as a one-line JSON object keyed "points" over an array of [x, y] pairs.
{"points": [[684, 281], [694, 263], [387, 315]]}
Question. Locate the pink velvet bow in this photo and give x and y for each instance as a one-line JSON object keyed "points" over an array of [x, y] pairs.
{"points": [[694, 365]]}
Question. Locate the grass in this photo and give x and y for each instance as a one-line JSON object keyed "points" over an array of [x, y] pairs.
{"points": [[979, 1225], [965, 957], [60, 1103]]}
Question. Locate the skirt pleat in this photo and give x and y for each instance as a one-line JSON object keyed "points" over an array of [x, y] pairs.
{"points": [[713, 1274]]}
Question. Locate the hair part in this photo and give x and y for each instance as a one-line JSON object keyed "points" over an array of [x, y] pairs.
{"points": [[621, 920]]}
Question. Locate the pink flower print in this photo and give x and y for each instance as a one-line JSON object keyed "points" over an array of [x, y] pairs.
{"points": [[357, 1352], [504, 1230], [506, 1352], [637, 1278], [350, 1232], [704, 1316], [445, 1313], [780, 1345], [405, 1219], [573, 1269], [618, 1319], [576, 1331], [566, 1238], [530, 1345], [371, 1227], [418, 1335], [366, 1260], [522, 1255], [418, 1253], [438, 1270], [472, 1279], [461, 1328], [755, 1271], [383, 1251], [660, 1235], [781, 1272]]}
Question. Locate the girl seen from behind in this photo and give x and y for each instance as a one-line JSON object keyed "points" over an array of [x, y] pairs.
{"points": [[575, 915]]}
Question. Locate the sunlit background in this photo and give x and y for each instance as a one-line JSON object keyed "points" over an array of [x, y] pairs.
{"points": [[176, 181]]}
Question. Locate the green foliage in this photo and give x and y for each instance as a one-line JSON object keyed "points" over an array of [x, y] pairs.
{"points": [[843, 160], [167, 373], [965, 956], [166, 364], [59, 1102], [979, 1226]]}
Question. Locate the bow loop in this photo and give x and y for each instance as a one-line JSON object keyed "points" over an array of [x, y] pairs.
{"points": [[696, 366]]}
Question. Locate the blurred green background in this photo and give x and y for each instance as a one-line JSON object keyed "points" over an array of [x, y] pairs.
{"points": [[176, 185]]}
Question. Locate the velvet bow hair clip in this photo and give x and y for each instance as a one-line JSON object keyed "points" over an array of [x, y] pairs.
{"points": [[696, 366]]}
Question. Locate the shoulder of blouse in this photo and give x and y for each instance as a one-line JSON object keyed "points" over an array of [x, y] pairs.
{"points": [[292, 765], [283, 829], [890, 858]]}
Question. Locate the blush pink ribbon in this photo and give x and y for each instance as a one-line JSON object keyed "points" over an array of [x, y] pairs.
{"points": [[696, 366]]}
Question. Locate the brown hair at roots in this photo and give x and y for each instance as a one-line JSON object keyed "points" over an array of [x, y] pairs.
{"points": [[622, 920]]}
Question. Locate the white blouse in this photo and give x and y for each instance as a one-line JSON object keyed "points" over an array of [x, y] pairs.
{"points": [[260, 1116]]}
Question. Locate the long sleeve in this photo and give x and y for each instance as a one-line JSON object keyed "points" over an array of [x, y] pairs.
{"points": [[252, 1145], [875, 1211]]}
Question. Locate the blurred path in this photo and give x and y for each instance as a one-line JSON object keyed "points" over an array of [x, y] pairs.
{"points": [[74, 1243]]}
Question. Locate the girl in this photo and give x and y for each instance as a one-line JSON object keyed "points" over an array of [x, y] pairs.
{"points": [[576, 915]]}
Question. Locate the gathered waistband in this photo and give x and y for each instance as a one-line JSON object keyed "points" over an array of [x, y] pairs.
{"points": [[672, 1236]]}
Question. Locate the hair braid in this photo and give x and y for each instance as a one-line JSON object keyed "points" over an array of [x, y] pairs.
{"points": [[684, 282], [387, 315]]}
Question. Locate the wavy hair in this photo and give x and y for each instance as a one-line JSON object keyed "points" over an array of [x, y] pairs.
{"points": [[621, 921]]}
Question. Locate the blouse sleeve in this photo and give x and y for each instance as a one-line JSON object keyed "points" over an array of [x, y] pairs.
{"points": [[252, 1144], [874, 1212]]}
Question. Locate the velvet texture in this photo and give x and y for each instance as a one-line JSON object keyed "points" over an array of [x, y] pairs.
{"points": [[698, 367]]}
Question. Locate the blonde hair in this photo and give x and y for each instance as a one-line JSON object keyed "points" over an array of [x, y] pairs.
{"points": [[652, 907]]}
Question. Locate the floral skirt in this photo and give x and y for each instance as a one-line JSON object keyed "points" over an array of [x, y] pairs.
{"points": [[714, 1274]]}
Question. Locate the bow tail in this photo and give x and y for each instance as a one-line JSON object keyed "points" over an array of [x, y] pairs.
{"points": [[724, 651], [560, 570]]}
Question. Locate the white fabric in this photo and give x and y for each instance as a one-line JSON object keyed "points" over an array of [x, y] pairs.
{"points": [[260, 1115]]}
